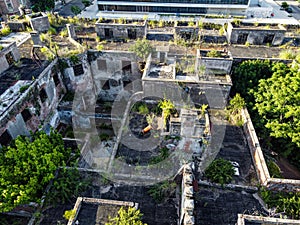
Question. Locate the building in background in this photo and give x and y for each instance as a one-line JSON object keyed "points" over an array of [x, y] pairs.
{"points": [[225, 7]]}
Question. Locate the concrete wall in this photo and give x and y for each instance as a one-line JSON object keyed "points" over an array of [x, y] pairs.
{"points": [[185, 32], [245, 219], [213, 64], [120, 31], [257, 35], [42, 113], [40, 23], [12, 48], [115, 72], [262, 171]]}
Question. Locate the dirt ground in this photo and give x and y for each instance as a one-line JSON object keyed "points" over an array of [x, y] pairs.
{"points": [[288, 171]]}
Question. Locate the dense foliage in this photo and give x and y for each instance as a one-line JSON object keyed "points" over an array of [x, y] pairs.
{"points": [[42, 5], [161, 191], [246, 76], [131, 216], [278, 102], [287, 203], [220, 171], [67, 186], [273, 86], [27, 166], [236, 104]]}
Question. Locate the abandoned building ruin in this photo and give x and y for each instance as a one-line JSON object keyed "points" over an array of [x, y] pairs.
{"points": [[32, 91]]}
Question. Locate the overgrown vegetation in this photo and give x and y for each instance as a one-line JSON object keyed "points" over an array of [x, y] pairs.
{"points": [[142, 48], [161, 191], [5, 31], [130, 216], [283, 202], [274, 169], [236, 104], [27, 166], [67, 187], [75, 9], [42, 5], [271, 91], [163, 154], [220, 171], [167, 108], [213, 54], [140, 107]]}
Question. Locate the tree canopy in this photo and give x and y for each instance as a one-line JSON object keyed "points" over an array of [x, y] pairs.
{"points": [[27, 166], [246, 76], [142, 48], [278, 102], [131, 216], [42, 5]]}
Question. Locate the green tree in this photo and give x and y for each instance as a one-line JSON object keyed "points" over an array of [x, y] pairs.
{"points": [[220, 171], [27, 166], [42, 5], [167, 108], [245, 77], [131, 216], [75, 9], [161, 191], [277, 101], [142, 48], [284, 5], [236, 104]]}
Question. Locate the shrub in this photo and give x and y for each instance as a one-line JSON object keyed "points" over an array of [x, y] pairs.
{"points": [[75, 9], [287, 54], [283, 202], [64, 33], [159, 192], [213, 54], [104, 137], [47, 53], [52, 31], [220, 171], [24, 88], [99, 47], [5, 31], [69, 214], [274, 169], [86, 3]]}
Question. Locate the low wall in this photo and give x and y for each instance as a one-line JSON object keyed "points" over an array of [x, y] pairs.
{"points": [[262, 171], [243, 219], [97, 201]]}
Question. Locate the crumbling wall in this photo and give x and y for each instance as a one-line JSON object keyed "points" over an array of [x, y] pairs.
{"points": [[212, 64], [121, 31], [39, 112], [7, 50], [260, 163], [188, 33], [39, 22], [112, 71], [256, 36]]}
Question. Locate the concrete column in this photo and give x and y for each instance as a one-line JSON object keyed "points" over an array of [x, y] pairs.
{"points": [[71, 31], [35, 36]]}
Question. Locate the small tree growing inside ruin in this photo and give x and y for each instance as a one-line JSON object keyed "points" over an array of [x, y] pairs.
{"points": [[131, 216], [142, 48], [220, 171], [167, 107]]}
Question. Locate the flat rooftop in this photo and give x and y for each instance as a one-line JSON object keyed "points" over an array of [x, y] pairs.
{"points": [[25, 69]]}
